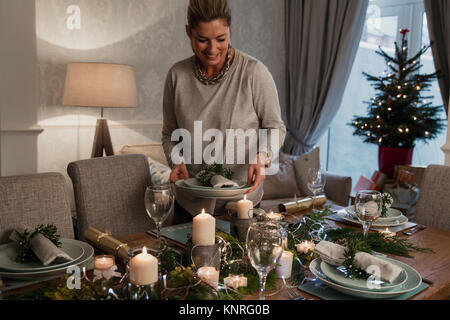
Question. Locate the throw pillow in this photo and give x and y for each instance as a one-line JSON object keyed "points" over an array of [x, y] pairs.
{"points": [[282, 184], [302, 164]]}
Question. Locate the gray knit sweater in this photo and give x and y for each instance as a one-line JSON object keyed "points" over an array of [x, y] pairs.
{"points": [[245, 98]]}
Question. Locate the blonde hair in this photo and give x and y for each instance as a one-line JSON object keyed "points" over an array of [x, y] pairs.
{"points": [[206, 11]]}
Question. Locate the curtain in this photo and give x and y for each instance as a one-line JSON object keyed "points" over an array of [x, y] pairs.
{"points": [[438, 17], [322, 40]]}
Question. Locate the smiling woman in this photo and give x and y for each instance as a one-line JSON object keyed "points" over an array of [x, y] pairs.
{"points": [[221, 88]]}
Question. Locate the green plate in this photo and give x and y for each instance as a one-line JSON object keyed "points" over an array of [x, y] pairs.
{"points": [[211, 193], [88, 253], [392, 214], [337, 274], [8, 261], [194, 183], [413, 282]]}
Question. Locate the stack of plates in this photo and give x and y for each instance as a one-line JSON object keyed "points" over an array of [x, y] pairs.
{"points": [[393, 218], [334, 277], [192, 186], [80, 251]]}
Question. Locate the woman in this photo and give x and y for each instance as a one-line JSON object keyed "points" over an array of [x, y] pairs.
{"points": [[224, 89]]}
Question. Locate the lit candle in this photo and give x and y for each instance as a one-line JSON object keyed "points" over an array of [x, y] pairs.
{"points": [[209, 275], [284, 266], [305, 246], [235, 281], [104, 262], [143, 268], [204, 229], [274, 216], [387, 233], [244, 208]]}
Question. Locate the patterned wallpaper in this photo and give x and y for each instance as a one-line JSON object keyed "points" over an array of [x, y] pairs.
{"points": [[148, 34]]}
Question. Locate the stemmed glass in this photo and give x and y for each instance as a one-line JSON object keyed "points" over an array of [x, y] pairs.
{"points": [[368, 204], [316, 181], [264, 249], [159, 201]]}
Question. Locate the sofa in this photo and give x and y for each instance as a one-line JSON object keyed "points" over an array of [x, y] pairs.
{"points": [[289, 182]]}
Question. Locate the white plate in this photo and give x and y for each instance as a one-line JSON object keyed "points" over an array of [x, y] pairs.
{"points": [[88, 253], [194, 183], [8, 252], [211, 193], [390, 223], [413, 282], [337, 274], [392, 214]]}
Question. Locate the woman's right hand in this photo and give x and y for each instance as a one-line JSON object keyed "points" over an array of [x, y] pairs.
{"points": [[179, 172]]}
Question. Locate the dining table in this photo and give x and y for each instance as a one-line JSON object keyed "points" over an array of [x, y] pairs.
{"points": [[434, 267]]}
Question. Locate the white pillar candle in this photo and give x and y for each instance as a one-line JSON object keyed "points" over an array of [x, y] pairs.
{"points": [[284, 266], [204, 229], [305, 246], [209, 275], [143, 268], [245, 208], [103, 262], [235, 281]]}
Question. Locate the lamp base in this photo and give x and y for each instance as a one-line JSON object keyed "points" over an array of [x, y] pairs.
{"points": [[102, 140]]}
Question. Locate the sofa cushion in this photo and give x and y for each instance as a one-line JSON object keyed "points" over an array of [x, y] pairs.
{"points": [[152, 150], [302, 164], [282, 184]]}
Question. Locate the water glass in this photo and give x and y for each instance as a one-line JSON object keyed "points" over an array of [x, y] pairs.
{"points": [[368, 204]]}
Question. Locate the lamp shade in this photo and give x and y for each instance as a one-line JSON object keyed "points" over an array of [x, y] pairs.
{"points": [[100, 85]]}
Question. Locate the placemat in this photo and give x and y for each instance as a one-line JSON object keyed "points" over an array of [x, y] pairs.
{"points": [[321, 290], [408, 225], [181, 232], [10, 284]]}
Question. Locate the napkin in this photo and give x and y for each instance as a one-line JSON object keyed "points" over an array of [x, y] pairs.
{"points": [[333, 254], [219, 181], [44, 249]]}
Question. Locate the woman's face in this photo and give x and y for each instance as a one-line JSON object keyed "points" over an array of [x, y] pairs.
{"points": [[209, 42]]}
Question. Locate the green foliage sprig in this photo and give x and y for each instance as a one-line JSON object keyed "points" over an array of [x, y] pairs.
{"points": [[24, 251], [204, 177]]}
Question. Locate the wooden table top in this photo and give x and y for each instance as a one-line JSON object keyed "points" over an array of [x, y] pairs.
{"points": [[432, 266]]}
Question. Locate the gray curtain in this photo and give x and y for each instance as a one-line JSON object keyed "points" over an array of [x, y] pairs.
{"points": [[322, 40], [438, 16]]}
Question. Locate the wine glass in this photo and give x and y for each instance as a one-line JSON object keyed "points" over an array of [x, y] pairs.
{"points": [[368, 204], [159, 201], [316, 181], [264, 249]]}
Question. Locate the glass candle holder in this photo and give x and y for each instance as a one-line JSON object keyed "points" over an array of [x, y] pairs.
{"points": [[104, 262]]}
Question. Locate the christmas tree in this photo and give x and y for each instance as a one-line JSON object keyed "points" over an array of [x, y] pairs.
{"points": [[399, 113]]}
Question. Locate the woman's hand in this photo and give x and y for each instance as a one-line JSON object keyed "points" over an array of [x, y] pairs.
{"points": [[256, 172], [179, 172]]}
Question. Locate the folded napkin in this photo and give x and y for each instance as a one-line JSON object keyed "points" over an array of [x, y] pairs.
{"points": [[44, 249], [219, 181], [333, 254]]}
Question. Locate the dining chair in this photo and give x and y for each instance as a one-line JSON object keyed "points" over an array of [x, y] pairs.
{"points": [[27, 201], [109, 194], [433, 206]]}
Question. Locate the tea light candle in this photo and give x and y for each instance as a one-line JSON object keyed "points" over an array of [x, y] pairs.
{"points": [[209, 275], [104, 262], [244, 208], [143, 268], [284, 266], [274, 216], [305, 246], [204, 229], [387, 233], [235, 281]]}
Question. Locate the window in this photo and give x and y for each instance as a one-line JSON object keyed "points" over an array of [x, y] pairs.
{"points": [[345, 153]]}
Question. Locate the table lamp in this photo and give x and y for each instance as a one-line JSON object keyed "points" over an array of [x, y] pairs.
{"points": [[103, 85]]}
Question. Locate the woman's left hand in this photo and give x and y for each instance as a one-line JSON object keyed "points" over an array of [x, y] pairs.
{"points": [[256, 172]]}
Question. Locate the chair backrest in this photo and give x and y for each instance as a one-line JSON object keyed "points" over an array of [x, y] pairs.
{"points": [[433, 206], [34, 199], [109, 193]]}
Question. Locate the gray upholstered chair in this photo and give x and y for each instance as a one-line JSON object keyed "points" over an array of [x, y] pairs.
{"points": [[34, 199], [109, 194], [433, 206]]}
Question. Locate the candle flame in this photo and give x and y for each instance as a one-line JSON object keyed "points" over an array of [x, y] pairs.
{"points": [[203, 211], [387, 230], [144, 250], [245, 197]]}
